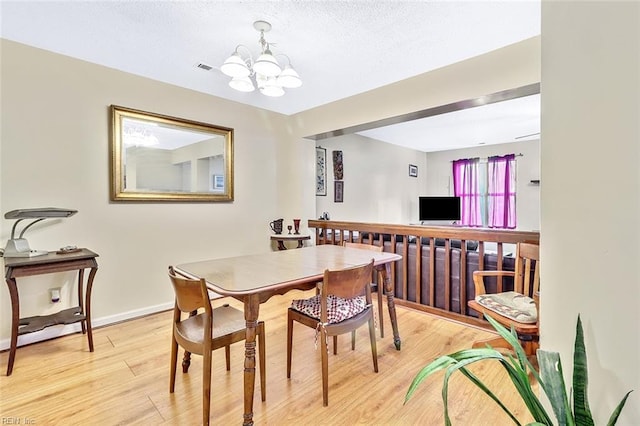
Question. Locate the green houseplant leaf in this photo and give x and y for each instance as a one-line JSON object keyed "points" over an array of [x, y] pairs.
{"points": [[616, 413], [581, 408], [520, 369], [553, 386]]}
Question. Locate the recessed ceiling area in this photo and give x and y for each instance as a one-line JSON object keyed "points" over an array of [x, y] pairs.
{"points": [[501, 122]]}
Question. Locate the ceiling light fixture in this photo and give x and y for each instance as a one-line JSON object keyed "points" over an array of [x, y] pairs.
{"points": [[265, 73]]}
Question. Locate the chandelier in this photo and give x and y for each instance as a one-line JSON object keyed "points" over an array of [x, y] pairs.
{"points": [[265, 72]]}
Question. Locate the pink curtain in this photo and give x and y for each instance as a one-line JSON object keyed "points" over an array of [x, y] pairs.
{"points": [[465, 186], [502, 192]]}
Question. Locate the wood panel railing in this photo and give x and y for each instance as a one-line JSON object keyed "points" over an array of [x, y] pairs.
{"points": [[437, 263]]}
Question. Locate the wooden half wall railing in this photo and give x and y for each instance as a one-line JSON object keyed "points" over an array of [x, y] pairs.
{"points": [[437, 263]]}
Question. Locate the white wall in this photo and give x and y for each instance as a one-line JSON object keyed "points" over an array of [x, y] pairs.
{"points": [[590, 194], [377, 185], [440, 181]]}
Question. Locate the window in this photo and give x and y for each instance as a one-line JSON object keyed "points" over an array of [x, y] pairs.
{"points": [[487, 191]]}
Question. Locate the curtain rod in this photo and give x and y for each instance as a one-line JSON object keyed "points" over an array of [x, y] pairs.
{"points": [[487, 158]]}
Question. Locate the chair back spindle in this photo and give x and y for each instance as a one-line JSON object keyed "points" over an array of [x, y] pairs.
{"points": [[526, 255]]}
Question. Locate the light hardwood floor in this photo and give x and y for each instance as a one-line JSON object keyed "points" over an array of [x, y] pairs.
{"points": [[126, 380]]}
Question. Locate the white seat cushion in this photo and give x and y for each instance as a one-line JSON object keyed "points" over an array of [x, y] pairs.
{"points": [[510, 304], [338, 309]]}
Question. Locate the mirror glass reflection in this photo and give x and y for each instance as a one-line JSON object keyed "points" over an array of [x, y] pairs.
{"points": [[165, 158]]}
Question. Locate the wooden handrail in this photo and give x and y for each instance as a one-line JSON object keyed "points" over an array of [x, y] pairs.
{"points": [[447, 232], [399, 238]]}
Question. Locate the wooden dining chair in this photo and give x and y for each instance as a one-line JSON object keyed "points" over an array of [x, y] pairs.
{"points": [[343, 305], [377, 286], [518, 308], [205, 330]]}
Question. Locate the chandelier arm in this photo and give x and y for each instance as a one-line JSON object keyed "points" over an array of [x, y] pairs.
{"points": [[249, 60], [286, 56]]}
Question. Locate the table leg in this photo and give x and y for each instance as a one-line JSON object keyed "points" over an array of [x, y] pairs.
{"points": [[186, 361], [251, 310], [92, 274], [300, 244], [83, 324], [281, 245], [15, 320], [388, 289]]}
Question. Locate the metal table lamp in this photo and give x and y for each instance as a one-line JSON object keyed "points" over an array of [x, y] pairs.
{"points": [[19, 247]]}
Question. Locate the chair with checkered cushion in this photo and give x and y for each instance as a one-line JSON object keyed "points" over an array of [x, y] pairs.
{"points": [[377, 286], [518, 308], [342, 306]]}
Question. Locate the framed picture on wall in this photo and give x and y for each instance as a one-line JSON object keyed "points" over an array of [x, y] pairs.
{"points": [[413, 170], [321, 171], [338, 191]]}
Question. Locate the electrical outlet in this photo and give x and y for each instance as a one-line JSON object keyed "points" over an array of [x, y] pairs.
{"points": [[55, 294]]}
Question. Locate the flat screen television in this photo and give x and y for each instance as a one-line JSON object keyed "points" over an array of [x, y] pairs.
{"points": [[439, 208]]}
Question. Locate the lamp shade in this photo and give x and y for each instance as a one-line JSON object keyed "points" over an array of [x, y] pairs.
{"points": [[242, 84], [272, 91], [267, 65], [234, 66], [269, 86], [289, 78]]}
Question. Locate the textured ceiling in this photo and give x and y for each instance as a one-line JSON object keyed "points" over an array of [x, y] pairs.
{"points": [[339, 48]]}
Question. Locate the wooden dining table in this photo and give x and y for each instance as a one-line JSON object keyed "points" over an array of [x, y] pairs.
{"points": [[253, 279]]}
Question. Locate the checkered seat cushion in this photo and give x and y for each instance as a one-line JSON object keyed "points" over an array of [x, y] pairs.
{"points": [[338, 309]]}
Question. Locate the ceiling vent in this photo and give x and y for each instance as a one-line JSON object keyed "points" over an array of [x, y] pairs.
{"points": [[204, 67]]}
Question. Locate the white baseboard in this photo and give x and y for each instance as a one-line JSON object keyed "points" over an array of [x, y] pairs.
{"points": [[63, 330]]}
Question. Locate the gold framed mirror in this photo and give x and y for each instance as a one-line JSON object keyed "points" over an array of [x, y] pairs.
{"points": [[155, 157]]}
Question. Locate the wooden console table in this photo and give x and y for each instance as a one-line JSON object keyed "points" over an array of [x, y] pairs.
{"points": [[281, 238], [52, 262]]}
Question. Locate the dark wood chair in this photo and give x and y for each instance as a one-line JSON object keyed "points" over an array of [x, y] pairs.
{"points": [[205, 330], [343, 305], [377, 286], [517, 309]]}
